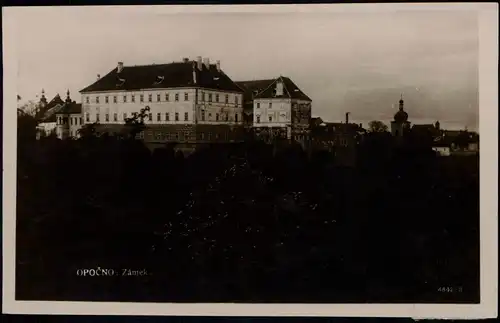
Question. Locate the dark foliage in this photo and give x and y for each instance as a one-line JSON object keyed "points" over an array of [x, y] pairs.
{"points": [[247, 222]]}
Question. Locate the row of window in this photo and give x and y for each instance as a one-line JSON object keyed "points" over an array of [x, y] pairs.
{"points": [[270, 105], [158, 135], [166, 116], [74, 121], [258, 119], [166, 98]]}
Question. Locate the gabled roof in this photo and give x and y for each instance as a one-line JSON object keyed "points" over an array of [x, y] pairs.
{"points": [[50, 115], [43, 113], [70, 108], [265, 89], [252, 88], [172, 75]]}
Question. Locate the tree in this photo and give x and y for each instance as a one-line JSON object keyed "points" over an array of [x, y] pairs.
{"points": [[135, 124], [377, 126]]}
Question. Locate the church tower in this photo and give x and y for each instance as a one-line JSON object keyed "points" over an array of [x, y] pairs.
{"points": [[400, 126]]}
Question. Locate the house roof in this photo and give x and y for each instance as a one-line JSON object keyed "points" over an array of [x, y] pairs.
{"points": [[172, 75], [343, 127], [252, 88], [44, 111], [265, 89], [70, 108]]}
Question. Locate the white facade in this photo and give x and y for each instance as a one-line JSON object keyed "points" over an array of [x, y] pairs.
{"points": [[272, 112], [74, 124], [167, 106]]}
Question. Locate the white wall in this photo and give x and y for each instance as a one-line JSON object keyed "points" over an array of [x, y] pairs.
{"points": [[280, 111], [232, 108]]}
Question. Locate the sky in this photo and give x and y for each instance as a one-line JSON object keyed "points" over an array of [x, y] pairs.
{"points": [[354, 61]]}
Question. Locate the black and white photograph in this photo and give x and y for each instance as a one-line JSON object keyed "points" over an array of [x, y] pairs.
{"points": [[287, 160]]}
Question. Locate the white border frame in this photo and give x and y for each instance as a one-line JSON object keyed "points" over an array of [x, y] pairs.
{"points": [[488, 84]]}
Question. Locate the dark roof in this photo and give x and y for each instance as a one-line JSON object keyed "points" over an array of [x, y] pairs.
{"points": [[252, 88], [177, 74], [70, 108], [264, 89], [44, 110]]}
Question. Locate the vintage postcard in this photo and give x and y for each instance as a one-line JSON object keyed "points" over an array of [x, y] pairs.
{"points": [[283, 160]]}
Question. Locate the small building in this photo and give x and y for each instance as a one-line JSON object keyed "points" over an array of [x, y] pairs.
{"points": [[69, 119], [47, 115], [280, 108]]}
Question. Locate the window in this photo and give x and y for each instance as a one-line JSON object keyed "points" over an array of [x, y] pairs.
{"points": [[115, 99], [107, 117], [176, 96], [176, 136], [202, 96], [227, 99], [209, 136], [124, 116], [177, 116], [270, 118], [87, 117], [236, 100], [216, 136], [87, 99], [167, 97], [106, 99], [270, 105], [150, 117], [158, 97], [186, 96], [81, 120], [115, 117], [167, 117], [202, 115], [158, 135], [150, 97], [96, 99], [186, 116], [141, 135], [236, 117], [258, 119], [158, 117], [133, 98], [258, 105], [209, 97], [97, 117], [124, 99], [217, 98], [227, 117], [216, 117], [141, 98], [186, 135]]}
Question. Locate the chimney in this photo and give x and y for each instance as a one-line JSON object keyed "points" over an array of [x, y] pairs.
{"points": [[218, 66], [194, 73], [199, 62], [98, 77], [120, 67], [206, 62], [347, 117], [185, 60], [361, 125]]}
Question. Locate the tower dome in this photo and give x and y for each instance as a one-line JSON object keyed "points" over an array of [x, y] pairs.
{"points": [[401, 116]]}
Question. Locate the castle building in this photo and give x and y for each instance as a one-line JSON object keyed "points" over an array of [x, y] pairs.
{"points": [[400, 126], [188, 101], [277, 108]]}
